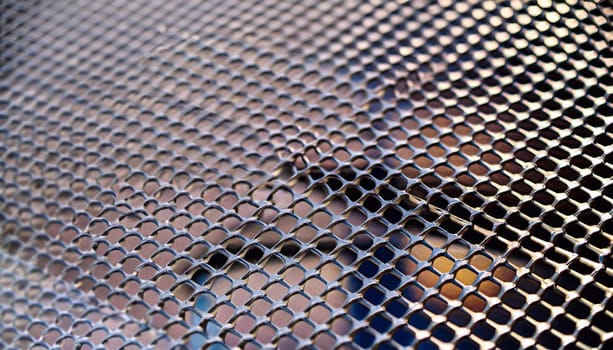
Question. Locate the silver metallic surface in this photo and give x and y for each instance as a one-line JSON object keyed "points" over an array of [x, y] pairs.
{"points": [[306, 174]]}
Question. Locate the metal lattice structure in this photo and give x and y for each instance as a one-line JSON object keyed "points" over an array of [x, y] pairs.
{"points": [[306, 174]]}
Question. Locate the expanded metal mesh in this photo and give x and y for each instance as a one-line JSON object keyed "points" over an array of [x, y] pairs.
{"points": [[306, 174]]}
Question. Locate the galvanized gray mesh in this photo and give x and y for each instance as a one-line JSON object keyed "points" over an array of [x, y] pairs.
{"points": [[306, 174]]}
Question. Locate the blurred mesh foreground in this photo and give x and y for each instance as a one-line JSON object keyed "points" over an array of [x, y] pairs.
{"points": [[306, 174]]}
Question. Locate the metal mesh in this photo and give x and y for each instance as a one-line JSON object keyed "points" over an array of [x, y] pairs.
{"points": [[306, 174]]}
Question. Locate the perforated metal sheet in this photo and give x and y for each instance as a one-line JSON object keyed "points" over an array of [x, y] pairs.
{"points": [[306, 174]]}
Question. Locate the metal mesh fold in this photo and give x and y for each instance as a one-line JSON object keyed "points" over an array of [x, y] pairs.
{"points": [[306, 174]]}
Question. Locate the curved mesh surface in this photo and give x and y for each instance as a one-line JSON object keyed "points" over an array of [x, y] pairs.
{"points": [[306, 174]]}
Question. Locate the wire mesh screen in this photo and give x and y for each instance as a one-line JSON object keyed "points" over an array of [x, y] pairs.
{"points": [[306, 174]]}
